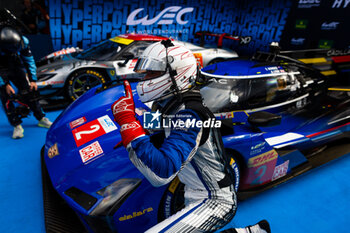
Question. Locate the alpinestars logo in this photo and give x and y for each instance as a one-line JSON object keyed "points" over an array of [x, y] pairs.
{"points": [[166, 16], [329, 26], [297, 41], [309, 3]]}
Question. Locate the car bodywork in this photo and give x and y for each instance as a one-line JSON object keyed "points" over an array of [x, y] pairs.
{"points": [[280, 119], [71, 72]]}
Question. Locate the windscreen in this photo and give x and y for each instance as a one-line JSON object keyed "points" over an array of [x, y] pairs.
{"points": [[104, 51], [222, 95]]}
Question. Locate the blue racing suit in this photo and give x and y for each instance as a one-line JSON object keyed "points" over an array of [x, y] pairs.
{"points": [[20, 69], [209, 205]]}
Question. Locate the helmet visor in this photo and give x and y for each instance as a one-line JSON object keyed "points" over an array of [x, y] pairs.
{"points": [[147, 64]]}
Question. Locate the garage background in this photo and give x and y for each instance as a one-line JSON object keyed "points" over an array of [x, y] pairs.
{"points": [[295, 24]]}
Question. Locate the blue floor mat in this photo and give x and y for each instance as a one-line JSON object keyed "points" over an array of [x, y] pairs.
{"points": [[317, 202]]}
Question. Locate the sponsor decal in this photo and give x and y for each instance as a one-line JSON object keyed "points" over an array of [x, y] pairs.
{"points": [[135, 214], [174, 184], [112, 72], [280, 170], [262, 158], [297, 41], [93, 129], [140, 111], [199, 59], [334, 52], [301, 23], [257, 146], [329, 26], [235, 169], [261, 168], [132, 64], [325, 44], [53, 151], [166, 16], [308, 3], [340, 3], [90, 152], [77, 122]]}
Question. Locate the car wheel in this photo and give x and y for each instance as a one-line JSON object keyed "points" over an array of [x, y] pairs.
{"points": [[217, 60], [235, 164], [172, 201], [82, 81]]}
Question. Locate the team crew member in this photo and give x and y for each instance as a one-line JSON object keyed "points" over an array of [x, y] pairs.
{"points": [[194, 154], [17, 65]]}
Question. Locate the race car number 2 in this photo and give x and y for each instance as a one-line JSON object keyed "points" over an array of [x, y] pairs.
{"points": [[93, 129]]}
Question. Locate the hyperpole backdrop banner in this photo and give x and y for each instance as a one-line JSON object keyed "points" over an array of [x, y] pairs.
{"points": [[295, 24], [85, 23]]}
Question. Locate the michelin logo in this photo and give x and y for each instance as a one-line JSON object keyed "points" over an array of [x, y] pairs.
{"points": [[166, 16]]}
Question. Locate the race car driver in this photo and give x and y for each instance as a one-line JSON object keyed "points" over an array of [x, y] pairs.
{"points": [[17, 66], [194, 154]]}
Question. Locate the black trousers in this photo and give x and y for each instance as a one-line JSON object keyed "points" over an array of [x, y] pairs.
{"points": [[18, 77]]}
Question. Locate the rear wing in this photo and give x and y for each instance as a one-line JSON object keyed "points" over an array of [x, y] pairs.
{"points": [[243, 40]]}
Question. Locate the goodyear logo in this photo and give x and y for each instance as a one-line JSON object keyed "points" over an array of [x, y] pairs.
{"points": [[136, 214], [262, 158], [301, 23]]}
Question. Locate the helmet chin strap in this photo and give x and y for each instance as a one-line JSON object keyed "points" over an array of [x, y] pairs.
{"points": [[172, 73]]}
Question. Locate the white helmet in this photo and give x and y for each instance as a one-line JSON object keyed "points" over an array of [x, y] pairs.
{"points": [[170, 69]]}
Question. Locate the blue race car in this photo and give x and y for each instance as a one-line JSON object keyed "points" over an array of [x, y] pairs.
{"points": [[281, 117]]}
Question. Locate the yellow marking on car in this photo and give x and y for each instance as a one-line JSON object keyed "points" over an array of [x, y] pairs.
{"points": [[121, 40], [313, 60], [174, 185], [338, 89], [328, 72], [262, 158], [135, 214]]}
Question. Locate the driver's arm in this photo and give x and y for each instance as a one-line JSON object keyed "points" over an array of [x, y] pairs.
{"points": [[161, 165]]}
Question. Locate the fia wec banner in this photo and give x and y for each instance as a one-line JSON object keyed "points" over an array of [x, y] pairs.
{"points": [[296, 24], [86, 23]]}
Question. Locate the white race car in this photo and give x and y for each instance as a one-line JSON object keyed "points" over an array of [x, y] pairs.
{"points": [[69, 73]]}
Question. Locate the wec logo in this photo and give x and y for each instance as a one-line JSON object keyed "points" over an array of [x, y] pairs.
{"points": [[166, 16]]}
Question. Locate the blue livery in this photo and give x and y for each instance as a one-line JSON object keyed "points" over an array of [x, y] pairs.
{"points": [[279, 120]]}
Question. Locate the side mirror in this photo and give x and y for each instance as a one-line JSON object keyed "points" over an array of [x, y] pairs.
{"points": [[264, 119], [127, 57]]}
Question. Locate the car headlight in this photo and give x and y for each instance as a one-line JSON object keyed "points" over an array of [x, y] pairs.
{"points": [[114, 196], [44, 77]]}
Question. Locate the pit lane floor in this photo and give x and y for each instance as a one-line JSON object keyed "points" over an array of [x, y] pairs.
{"points": [[316, 202]]}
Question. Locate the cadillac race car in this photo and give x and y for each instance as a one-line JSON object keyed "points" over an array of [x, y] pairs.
{"points": [[280, 118], [69, 73]]}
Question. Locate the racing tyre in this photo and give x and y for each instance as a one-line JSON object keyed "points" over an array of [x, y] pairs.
{"points": [[173, 199], [82, 81]]}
